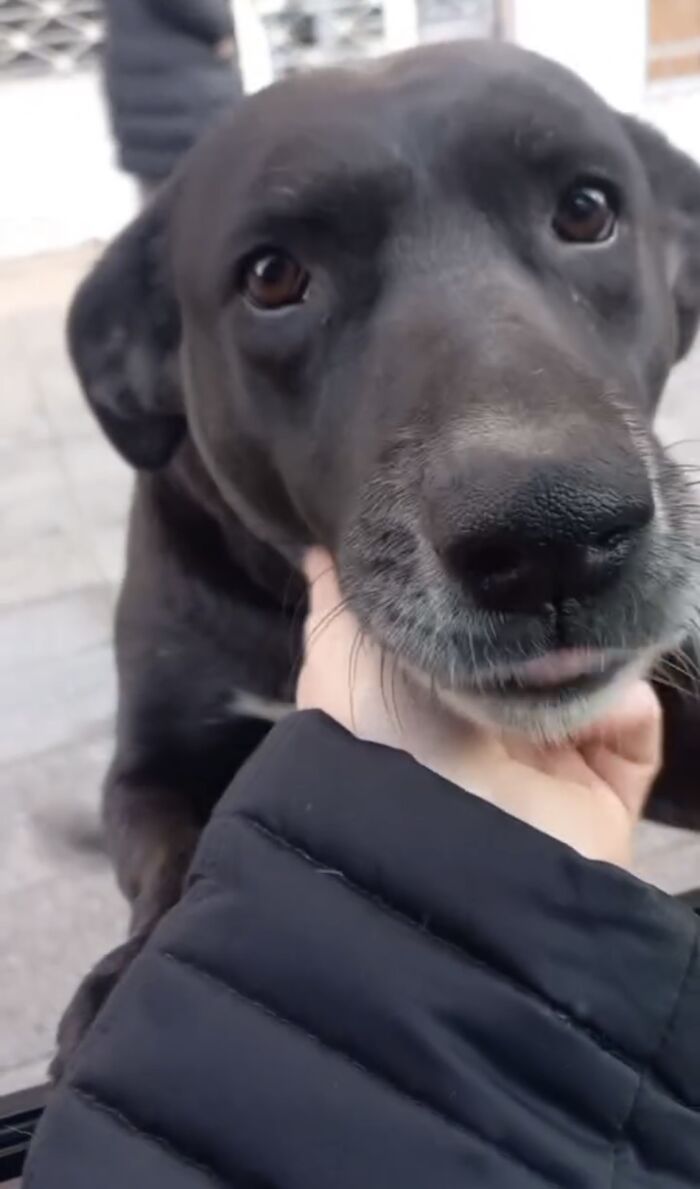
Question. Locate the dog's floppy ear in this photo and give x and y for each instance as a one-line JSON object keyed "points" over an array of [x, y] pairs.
{"points": [[675, 184], [123, 334]]}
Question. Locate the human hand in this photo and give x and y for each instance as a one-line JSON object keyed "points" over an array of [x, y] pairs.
{"points": [[589, 792]]}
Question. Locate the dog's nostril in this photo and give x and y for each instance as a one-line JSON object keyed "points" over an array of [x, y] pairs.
{"points": [[612, 540], [620, 536], [485, 560], [538, 570], [491, 569], [534, 537]]}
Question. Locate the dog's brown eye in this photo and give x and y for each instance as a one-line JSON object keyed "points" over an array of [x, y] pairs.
{"points": [[585, 215], [275, 279]]}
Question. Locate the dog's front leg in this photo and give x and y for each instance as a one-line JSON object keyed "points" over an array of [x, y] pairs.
{"points": [[152, 834]]}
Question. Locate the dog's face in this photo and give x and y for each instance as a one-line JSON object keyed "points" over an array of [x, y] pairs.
{"points": [[422, 313]]}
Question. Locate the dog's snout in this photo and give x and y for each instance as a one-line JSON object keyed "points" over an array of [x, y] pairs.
{"points": [[562, 534]]}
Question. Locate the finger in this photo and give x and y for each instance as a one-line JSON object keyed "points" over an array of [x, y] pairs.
{"points": [[627, 753], [632, 731]]}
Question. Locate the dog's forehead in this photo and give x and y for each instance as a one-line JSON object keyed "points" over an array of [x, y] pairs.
{"points": [[403, 104], [334, 135]]}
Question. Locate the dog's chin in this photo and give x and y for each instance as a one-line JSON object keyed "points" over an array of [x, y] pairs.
{"points": [[545, 714]]}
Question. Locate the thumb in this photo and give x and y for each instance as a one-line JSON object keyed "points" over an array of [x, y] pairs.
{"points": [[624, 749]]}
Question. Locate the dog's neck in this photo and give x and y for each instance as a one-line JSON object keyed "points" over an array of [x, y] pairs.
{"points": [[216, 542]]}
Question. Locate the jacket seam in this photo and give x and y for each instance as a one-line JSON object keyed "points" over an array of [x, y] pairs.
{"points": [[98, 1104], [378, 1077], [276, 739], [649, 1072], [421, 927]]}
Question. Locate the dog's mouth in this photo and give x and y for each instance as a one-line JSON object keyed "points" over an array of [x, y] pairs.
{"points": [[566, 672], [549, 696]]}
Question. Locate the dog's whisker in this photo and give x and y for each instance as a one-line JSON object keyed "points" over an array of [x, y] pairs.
{"points": [[382, 679], [681, 442], [681, 664], [326, 621], [323, 574], [353, 660], [394, 699], [669, 683]]}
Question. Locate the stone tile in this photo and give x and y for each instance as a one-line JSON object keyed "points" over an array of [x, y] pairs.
{"points": [[22, 417], [56, 629], [63, 403], [57, 672], [679, 419], [63, 497], [51, 810], [652, 838], [99, 481], [26, 471], [22, 1077], [56, 389], [45, 549], [100, 484], [110, 551], [667, 857], [46, 567], [43, 282], [52, 933], [59, 563], [64, 698]]}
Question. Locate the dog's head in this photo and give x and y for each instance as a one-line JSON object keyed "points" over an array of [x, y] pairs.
{"points": [[422, 313]]}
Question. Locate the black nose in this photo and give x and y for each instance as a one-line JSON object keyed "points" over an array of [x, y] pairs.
{"points": [[557, 538]]}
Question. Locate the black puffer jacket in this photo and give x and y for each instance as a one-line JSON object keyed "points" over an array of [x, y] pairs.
{"points": [[164, 82], [376, 981]]}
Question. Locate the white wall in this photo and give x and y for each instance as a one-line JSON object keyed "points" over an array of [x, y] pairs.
{"points": [[675, 109], [254, 51], [605, 41], [59, 183]]}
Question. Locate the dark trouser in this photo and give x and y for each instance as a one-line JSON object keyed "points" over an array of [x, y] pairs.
{"points": [[147, 187]]}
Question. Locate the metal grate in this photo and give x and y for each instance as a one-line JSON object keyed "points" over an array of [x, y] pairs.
{"points": [[304, 33], [307, 33], [443, 19], [59, 36], [48, 36]]}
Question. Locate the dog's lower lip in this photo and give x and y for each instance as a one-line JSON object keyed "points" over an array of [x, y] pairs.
{"points": [[565, 669], [565, 664]]}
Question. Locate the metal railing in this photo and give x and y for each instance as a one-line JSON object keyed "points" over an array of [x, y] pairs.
{"points": [[303, 33], [48, 36], [61, 36]]}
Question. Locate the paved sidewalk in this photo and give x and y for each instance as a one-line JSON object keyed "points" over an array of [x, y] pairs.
{"points": [[63, 497]]}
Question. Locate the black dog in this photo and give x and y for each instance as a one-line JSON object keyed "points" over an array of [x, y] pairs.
{"points": [[421, 313]]}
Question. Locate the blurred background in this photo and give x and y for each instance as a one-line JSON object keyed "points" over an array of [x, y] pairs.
{"points": [[63, 493]]}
